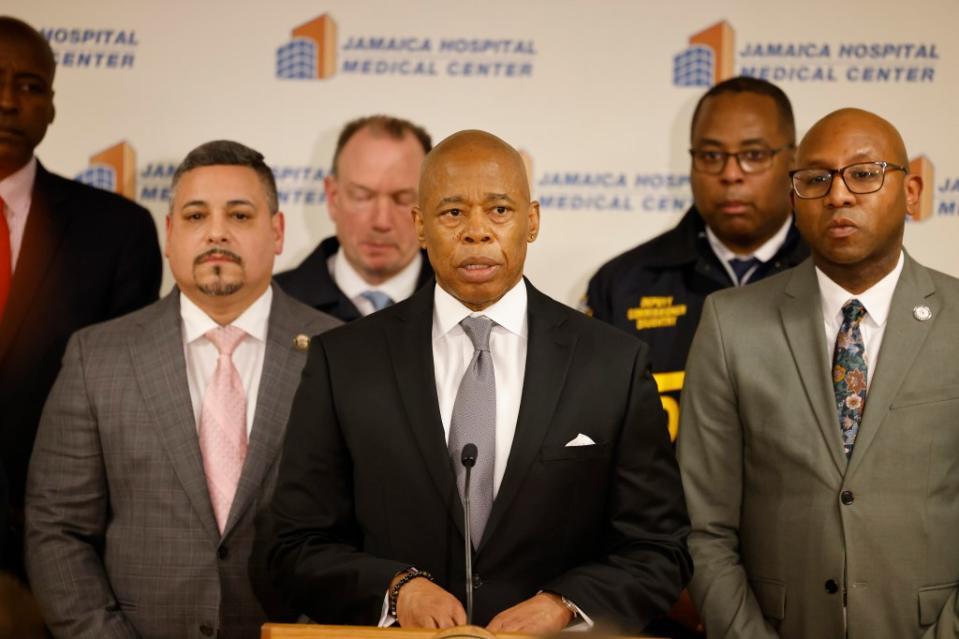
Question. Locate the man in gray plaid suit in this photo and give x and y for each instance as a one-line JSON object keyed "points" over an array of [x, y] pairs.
{"points": [[159, 441]]}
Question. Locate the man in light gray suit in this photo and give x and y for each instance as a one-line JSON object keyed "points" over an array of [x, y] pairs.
{"points": [[159, 441], [819, 442]]}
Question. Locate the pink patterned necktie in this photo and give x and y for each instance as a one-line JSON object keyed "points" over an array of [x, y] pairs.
{"points": [[223, 440]]}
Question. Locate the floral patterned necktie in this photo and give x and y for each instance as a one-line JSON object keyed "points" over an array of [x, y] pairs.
{"points": [[849, 373]]}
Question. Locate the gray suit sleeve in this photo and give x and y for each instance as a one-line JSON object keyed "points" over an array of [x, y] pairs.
{"points": [[710, 451], [66, 513]]}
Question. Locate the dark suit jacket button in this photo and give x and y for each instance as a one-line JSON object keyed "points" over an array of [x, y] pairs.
{"points": [[477, 582], [846, 497], [832, 587], [222, 552], [206, 631]]}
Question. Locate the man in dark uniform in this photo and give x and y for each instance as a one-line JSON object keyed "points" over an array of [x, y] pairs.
{"points": [[739, 229], [374, 259]]}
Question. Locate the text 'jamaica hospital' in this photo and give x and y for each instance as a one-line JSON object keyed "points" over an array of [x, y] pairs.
{"points": [[850, 62], [500, 57]]}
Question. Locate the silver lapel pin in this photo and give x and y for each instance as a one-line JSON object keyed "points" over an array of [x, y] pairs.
{"points": [[922, 313]]}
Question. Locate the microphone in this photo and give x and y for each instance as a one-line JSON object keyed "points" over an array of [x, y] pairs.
{"points": [[468, 459]]}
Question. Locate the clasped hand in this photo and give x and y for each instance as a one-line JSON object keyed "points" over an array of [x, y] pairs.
{"points": [[423, 604]]}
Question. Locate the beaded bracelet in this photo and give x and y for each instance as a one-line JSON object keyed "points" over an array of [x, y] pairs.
{"points": [[411, 574]]}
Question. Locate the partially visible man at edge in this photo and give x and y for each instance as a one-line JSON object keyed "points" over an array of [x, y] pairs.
{"points": [[374, 259], [577, 510], [819, 435], [70, 255]]}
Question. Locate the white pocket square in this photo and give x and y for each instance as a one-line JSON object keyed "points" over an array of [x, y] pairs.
{"points": [[581, 440]]}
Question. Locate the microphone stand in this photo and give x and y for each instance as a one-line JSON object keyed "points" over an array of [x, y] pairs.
{"points": [[468, 460]]}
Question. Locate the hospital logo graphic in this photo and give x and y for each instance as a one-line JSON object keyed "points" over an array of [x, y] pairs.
{"points": [[709, 58], [112, 169], [311, 54], [923, 167]]}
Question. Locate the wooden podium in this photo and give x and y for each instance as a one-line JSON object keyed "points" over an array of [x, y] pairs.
{"points": [[317, 631]]}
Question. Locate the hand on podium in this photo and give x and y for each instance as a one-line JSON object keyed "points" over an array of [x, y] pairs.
{"points": [[423, 604], [541, 614]]}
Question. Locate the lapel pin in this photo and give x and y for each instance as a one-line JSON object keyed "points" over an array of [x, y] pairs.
{"points": [[922, 313], [301, 342]]}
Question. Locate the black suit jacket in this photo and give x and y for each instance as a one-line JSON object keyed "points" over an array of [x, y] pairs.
{"points": [[312, 284], [87, 256], [366, 485]]}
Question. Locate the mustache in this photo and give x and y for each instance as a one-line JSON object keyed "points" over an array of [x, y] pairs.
{"points": [[230, 255]]}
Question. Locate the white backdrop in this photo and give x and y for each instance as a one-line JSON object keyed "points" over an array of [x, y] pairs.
{"points": [[585, 88]]}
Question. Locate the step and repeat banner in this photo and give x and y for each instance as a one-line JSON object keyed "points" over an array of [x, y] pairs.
{"points": [[597, 94]]}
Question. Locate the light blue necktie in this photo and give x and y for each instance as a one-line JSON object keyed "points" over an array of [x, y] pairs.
{"points": [[378, 299]]}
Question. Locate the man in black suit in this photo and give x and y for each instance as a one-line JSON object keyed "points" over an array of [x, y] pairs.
{"points": [[72, 256], [578, 513], [374, 259]]}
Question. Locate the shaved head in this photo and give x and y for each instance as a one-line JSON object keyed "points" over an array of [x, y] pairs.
{"points": [[475, 217], [856, 126], [471, 143], [856, 238]]}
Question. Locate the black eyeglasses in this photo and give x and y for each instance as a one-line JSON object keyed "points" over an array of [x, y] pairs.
{"points": [[713, 161], [859, 178]]}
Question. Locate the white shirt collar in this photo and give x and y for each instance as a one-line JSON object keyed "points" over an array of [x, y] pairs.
{"points": [[764, 253], [398, 287], [255, 320], [509, 311], [17, 189], [876, 300]]}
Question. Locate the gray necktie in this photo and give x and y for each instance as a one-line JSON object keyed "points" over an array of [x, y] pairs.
{"points": [[378, 299], [474, 421]]}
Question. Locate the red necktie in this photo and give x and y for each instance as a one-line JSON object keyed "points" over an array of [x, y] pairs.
{"points": [[6, 258]]}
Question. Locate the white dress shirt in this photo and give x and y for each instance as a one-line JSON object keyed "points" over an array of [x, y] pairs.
{"points": [[876, 300], [17, 193], [453, 351], [398, 287], [201, 354], [764, 253]]}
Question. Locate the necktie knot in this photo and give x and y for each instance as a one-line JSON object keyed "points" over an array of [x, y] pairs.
{"points": [[378, 299], [478, 329], [742, 266], [226, 338], [853, 311]]}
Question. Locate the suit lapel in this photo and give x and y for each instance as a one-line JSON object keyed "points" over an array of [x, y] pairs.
{"points": [[549, 352], [801, 314], [160, 369], [901, 342], [411, 353], [41, 239], [278, 382]]}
